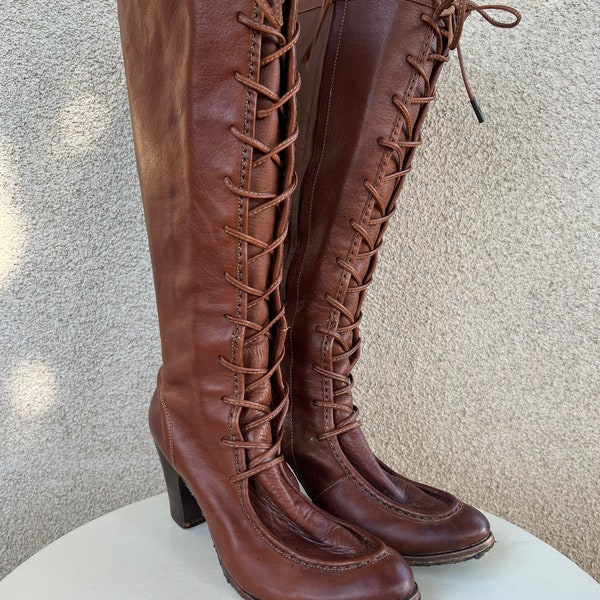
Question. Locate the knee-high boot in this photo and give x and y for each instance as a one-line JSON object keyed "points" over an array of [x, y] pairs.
{"points": [[370, 75], [211, 88]]}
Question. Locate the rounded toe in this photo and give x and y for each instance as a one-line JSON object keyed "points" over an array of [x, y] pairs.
{"points": [[472, 527], [464, 535], [391, 578]]}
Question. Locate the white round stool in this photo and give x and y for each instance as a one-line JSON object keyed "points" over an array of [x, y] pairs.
{"points": [[138, 553]]}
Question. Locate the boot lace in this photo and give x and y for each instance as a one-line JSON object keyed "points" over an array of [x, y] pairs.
{"points": [[264, 454], [447, 24], [448, 21]]}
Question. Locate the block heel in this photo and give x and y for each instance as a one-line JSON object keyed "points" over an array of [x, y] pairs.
{"points": [[184, 509]]}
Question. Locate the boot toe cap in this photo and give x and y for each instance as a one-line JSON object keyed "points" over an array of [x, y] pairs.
{"points": [[464, 535]]}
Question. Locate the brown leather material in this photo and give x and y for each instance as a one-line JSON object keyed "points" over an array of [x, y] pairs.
{"points": [[368, 79], [211, 90]]}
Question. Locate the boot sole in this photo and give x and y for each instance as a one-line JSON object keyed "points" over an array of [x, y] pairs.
{"points": [[449, 558]]}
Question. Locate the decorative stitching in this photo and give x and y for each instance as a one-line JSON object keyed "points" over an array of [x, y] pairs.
{"points": [[311, 565], [236, 336]]}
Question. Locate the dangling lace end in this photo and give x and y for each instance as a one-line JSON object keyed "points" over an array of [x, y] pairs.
{"points": [[478, 110], [453, 14], [474, 102]]}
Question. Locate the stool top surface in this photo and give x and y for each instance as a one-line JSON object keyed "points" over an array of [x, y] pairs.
{"points": [[139, 553]]}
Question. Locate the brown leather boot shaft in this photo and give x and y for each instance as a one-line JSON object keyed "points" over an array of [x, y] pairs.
{"points": [[369, 71], [211, 88]]}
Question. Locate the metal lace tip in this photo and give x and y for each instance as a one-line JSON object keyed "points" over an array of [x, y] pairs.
{"points": [[478, 111]]}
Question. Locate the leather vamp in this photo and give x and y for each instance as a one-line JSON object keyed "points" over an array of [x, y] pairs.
{"points": [[393, 486], [315, 535]]}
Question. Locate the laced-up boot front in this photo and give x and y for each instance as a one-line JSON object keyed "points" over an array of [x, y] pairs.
{"points": [[369, 70], [211, 88]]}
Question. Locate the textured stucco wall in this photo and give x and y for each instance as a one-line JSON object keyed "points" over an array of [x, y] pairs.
{"points": [[480, 366]]}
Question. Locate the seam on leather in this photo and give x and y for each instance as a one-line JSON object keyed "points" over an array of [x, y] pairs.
{"points": [[330, 486], [369, 203], [167, 413], [392, 506], [309, 229], [295, 216], [300, 561], [241, 485], [273, 11], [325, 344]]}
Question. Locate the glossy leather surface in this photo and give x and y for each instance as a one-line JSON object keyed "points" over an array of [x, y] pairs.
{"points": [[355, 147], [204, 81]]}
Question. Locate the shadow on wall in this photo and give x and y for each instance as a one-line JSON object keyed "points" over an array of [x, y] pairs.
{"points": [[77, 324], [31, 384]]}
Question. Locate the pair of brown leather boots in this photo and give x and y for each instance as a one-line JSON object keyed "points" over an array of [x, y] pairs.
{"points": [[266, 203]]}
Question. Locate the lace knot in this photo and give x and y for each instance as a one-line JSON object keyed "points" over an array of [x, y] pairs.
{"points": [[450, 17], [455, 12]]}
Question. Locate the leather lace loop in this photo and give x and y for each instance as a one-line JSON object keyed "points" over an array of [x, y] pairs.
{"points": [[263, 454]]}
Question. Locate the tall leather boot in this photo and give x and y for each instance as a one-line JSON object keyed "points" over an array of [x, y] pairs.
{"points": [[211, 89], [370, 76]]}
